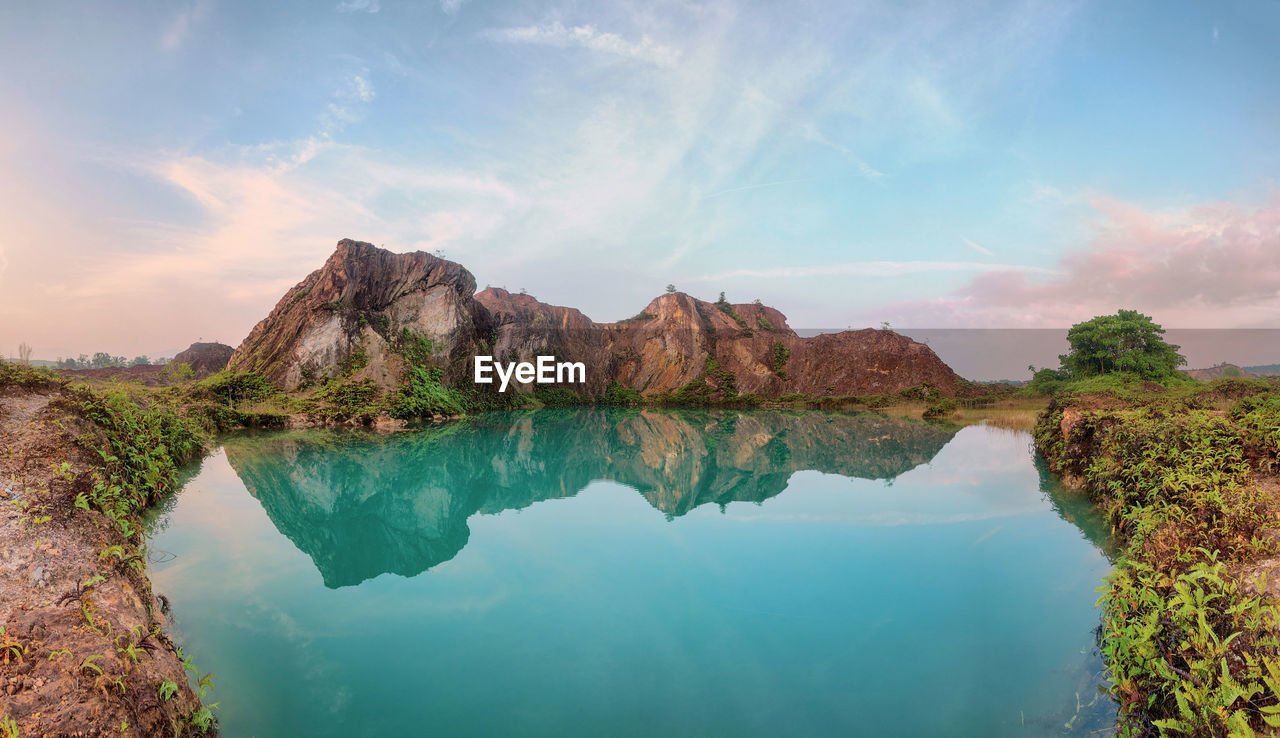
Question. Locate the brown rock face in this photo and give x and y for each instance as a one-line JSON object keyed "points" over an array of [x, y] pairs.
{"points": [[668, 346], [360, 303], [527, 328], [362, 299], [205, 358]]}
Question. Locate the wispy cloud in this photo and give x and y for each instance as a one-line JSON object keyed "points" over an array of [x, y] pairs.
{"points": [[1211, 266], [358, 6], [874, 269], [745, 188], [176, 32], [451, 7], [347, 103], [619, 171], [588, 37], [978, 247]]}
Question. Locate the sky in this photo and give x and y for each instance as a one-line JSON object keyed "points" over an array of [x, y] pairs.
{"points": [[168, 170]]}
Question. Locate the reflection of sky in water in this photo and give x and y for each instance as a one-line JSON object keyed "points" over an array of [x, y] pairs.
{"points": [[979, 475], [950, 601]]}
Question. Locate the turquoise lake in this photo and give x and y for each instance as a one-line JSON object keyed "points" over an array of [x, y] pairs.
{"points": [[634, 573]]}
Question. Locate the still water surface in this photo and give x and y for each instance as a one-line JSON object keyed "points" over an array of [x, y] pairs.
{"points": [[599, 572]]}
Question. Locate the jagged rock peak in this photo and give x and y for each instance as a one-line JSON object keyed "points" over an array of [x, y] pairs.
{"points": [[357, 304]]}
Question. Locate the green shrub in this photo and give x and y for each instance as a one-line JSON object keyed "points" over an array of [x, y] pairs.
{"points": [[713, 385], [553, 396], [1189, 652], [230, 388], [416, 348], [342, 400], [355, 361], [940, 408], [1045, 382], [637, 318], [778, 358], [616, 394], [423, 396], [28, 377], [726, 307], [137, 447]]}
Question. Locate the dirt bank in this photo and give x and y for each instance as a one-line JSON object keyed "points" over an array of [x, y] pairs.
{"points": [[84, 651]]}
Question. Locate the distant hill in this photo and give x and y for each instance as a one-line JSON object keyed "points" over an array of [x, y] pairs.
{"points": [[1265, 370], [1218, 372]]}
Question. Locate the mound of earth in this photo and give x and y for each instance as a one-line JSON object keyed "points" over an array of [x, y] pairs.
{"points": [[355, 314], [205, 358]]}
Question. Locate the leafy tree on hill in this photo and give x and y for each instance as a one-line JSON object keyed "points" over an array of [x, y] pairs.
{"points": [[1125, 342]]}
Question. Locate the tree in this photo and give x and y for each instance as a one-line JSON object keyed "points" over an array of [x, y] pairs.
{"points": [[140, 361], [671, 288], [1125, 342], [24, 353]]}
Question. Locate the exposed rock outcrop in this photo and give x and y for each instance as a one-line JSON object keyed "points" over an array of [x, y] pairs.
{"points": [[527, 328], [350, 316], [205, 358], [668, 345]]}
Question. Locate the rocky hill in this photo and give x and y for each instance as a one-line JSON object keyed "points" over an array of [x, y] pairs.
{"points": [[360, 313], [526, 328], [357, 313], [205, 358]]}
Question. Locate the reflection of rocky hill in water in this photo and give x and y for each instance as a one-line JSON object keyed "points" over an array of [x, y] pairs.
{"points": [[361, 505]]}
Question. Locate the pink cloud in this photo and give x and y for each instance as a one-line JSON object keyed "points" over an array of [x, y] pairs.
{"points": [[1213, 266]]}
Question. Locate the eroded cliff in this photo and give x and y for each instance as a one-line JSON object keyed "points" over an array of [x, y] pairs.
{"points": [[354, 315]]}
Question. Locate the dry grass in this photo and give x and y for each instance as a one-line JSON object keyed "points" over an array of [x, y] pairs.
{"points": [[1012, 414]]}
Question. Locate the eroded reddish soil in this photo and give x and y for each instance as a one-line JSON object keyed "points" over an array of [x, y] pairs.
{"points": [[79, 655]]}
